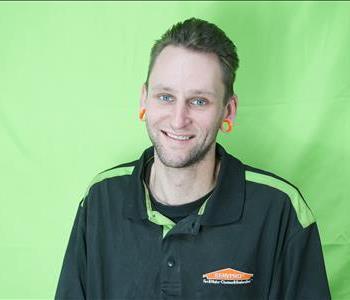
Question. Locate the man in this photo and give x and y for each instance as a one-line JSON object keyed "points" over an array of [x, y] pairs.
{"points": [[188, 220]]}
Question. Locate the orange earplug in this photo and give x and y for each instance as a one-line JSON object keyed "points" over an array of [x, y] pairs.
{"points": [[229, 126], [142, 114]]}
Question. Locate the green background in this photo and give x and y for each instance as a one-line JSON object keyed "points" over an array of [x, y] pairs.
{"points": [[70, 77]]}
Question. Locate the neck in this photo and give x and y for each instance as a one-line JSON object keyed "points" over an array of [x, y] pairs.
{"points": [[176, 186]]}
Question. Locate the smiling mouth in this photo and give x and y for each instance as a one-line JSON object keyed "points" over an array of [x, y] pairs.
{"points": [[177, 137]]}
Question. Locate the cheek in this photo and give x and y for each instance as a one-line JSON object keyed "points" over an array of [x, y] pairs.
{"points": [[155, 117], [157, 113], [209, 121]]}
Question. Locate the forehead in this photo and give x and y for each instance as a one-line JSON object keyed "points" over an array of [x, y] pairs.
{"points": [[186, 70]]}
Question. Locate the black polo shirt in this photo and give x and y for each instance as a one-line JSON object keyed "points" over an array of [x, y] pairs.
{"points": [[253, 238]]}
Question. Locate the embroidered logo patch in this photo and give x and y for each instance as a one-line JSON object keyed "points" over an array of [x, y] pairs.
{"points": [[227, 276]]}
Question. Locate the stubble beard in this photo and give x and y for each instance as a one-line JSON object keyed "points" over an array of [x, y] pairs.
{"points": [[196, 155]]}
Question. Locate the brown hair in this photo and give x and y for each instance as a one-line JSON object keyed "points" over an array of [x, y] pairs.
{"points": [[202, 36]]}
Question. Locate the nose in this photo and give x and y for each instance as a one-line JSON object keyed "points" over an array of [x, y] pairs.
{"points": [[180, 116]]}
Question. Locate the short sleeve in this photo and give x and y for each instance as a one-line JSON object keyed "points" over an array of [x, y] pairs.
{"points": [[300, 271]]}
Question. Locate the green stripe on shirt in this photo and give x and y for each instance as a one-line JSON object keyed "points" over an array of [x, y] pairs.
{"points": [[109, 174], [304, 214]]}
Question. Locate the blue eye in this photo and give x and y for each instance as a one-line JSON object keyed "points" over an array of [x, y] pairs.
{"points": [[199, 102], [166, 98]]}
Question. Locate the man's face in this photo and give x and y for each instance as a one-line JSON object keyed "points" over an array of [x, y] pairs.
{"points": [[184, 105]]}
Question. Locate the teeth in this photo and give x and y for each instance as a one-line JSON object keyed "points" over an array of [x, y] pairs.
{"points": [[178, 137]]}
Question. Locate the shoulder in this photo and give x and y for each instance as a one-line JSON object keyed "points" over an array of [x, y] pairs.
{"points": [[117, 172], [260, 180]]}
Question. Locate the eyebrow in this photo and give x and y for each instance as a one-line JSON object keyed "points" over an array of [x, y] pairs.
{"points": [[193, 91]]}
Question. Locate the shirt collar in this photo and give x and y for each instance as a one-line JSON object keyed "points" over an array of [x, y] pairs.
{"points": [[135, 206], [225, 204]]}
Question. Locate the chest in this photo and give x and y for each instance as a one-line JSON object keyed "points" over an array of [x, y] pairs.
{"points": [[223, 262]]}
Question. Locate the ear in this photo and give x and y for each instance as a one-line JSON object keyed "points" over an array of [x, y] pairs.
{"points": [[231, 108], [143, 96]]}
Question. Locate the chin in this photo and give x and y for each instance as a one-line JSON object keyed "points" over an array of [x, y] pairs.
{"points": [[170, 158], [176, 161]]}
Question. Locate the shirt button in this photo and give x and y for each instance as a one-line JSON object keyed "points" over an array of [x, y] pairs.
{"points": [[171, 263]]}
